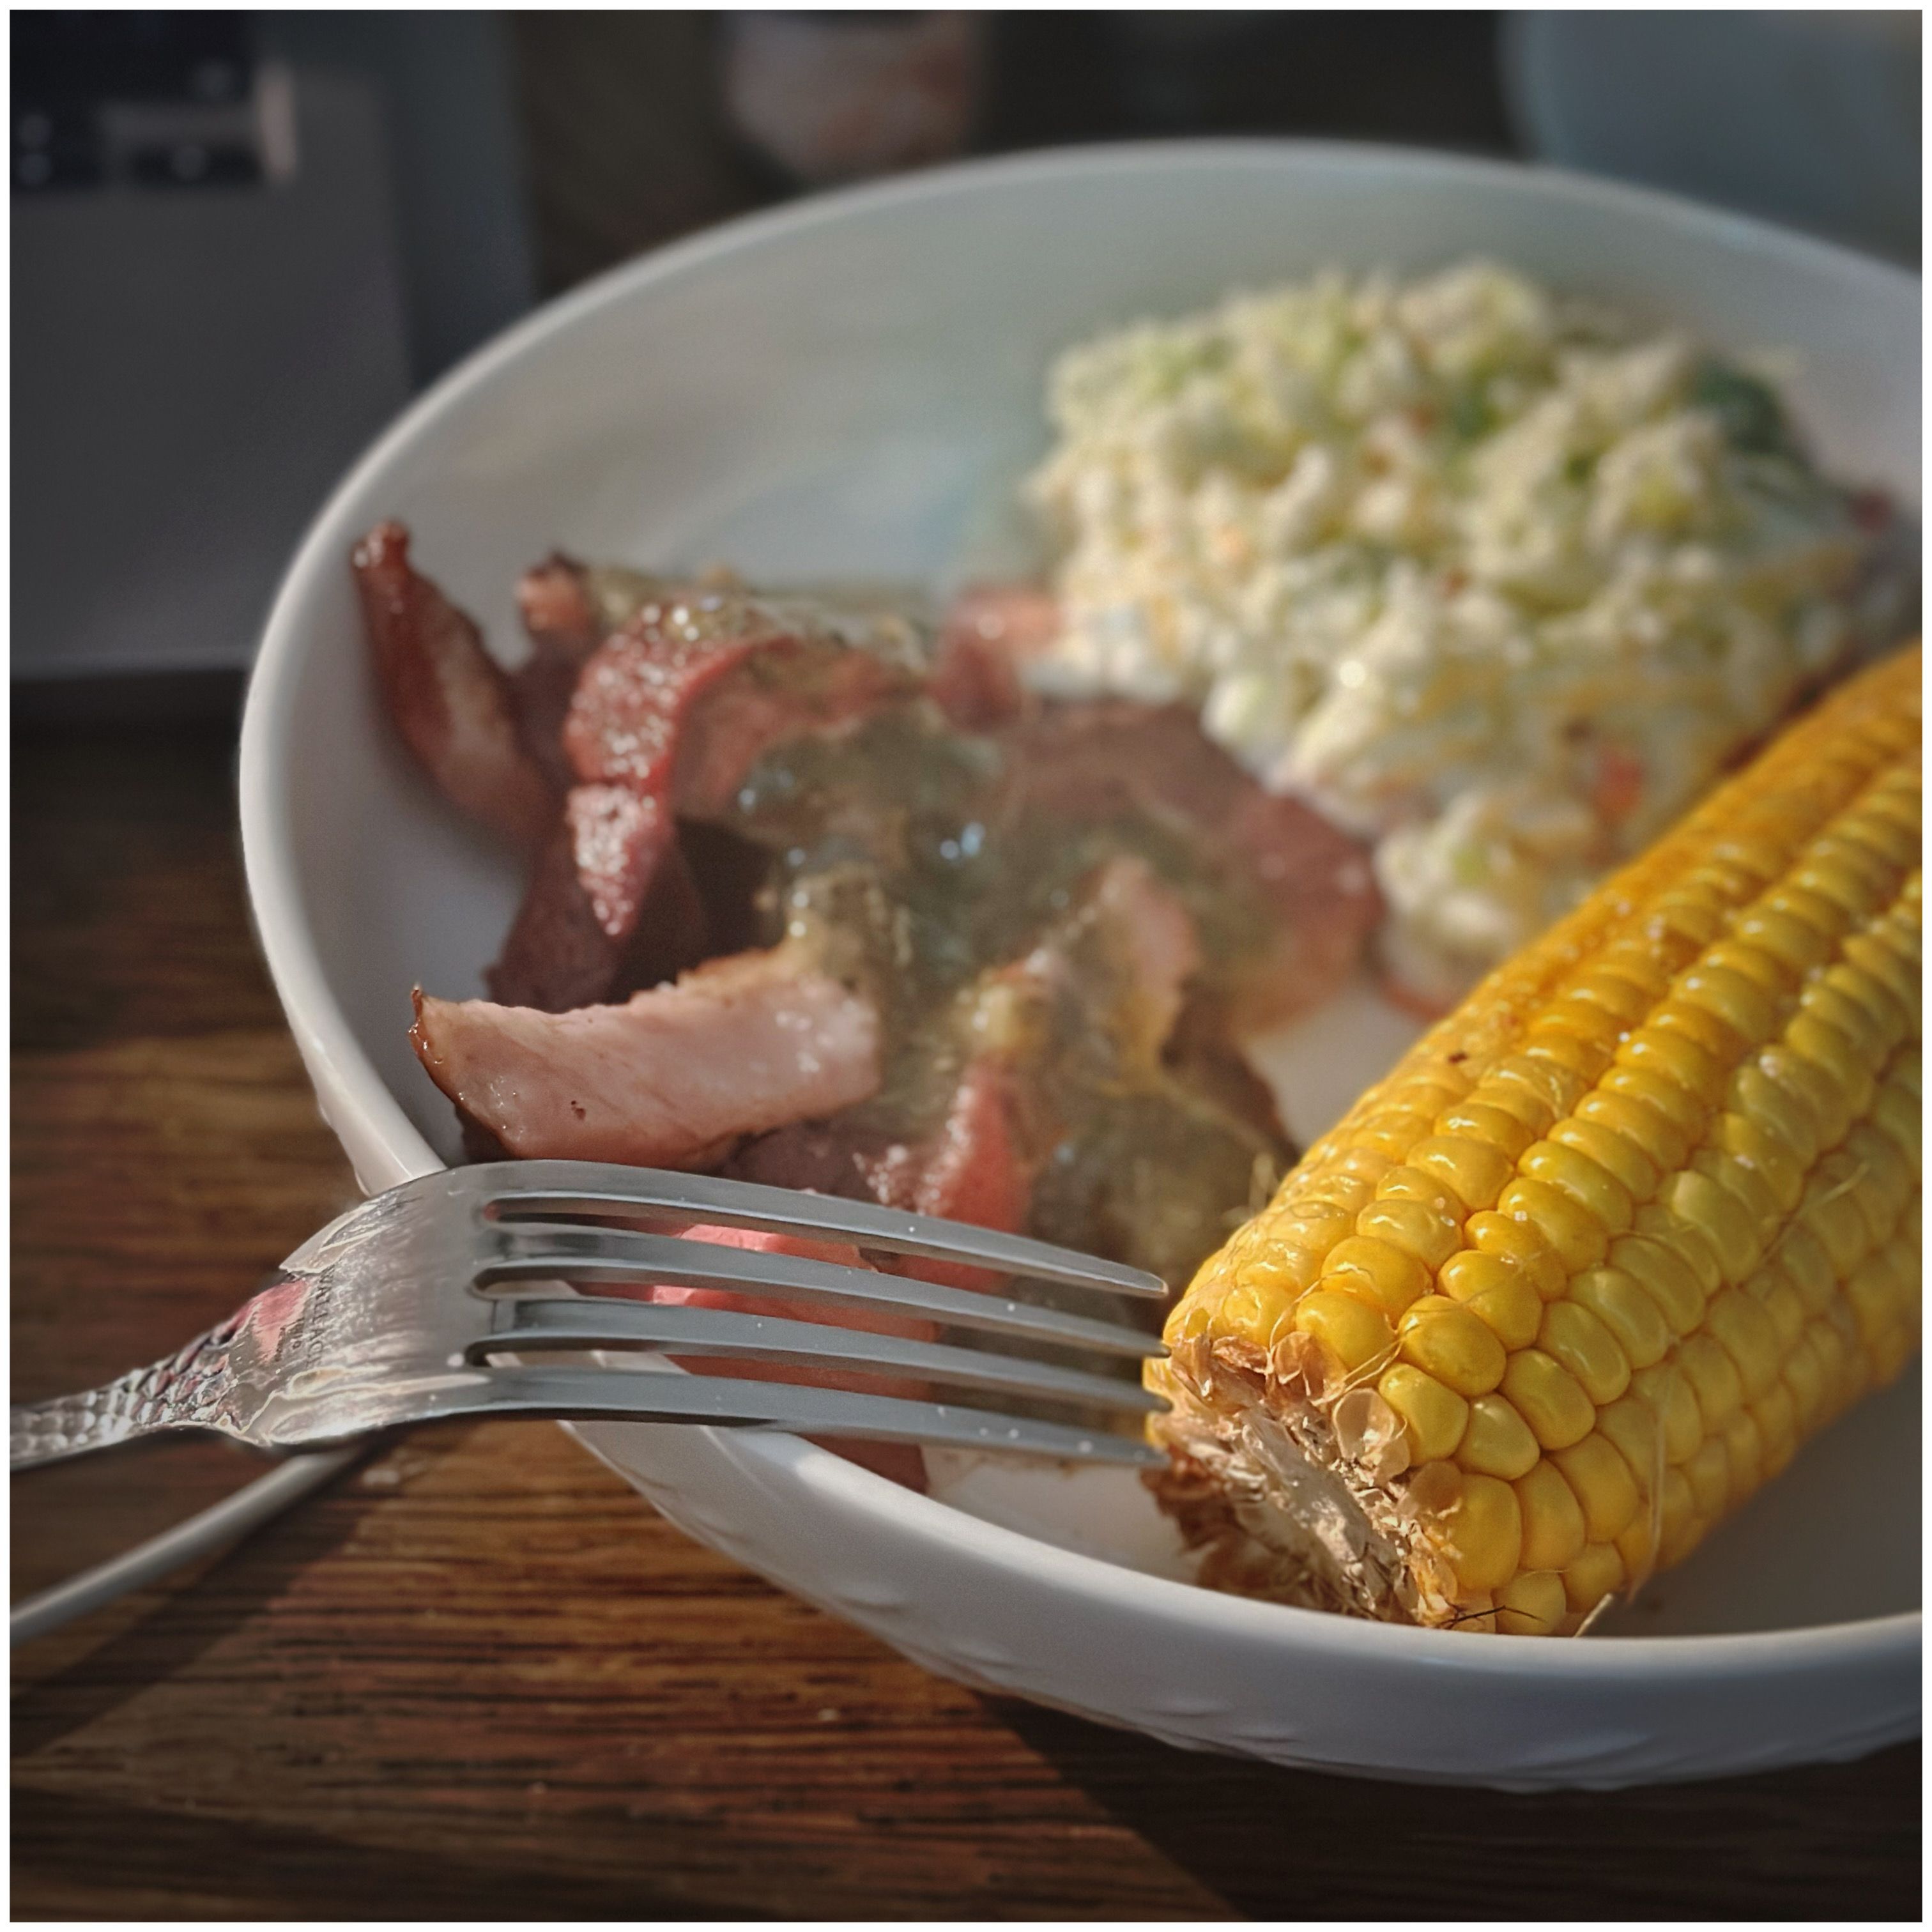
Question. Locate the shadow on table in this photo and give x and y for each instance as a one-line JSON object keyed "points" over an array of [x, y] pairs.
{"points": [[247, 1870], [68, 1679], [1832, 1841]]}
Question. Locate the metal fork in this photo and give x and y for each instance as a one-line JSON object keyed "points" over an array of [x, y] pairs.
{"points": [[397, 1312]]}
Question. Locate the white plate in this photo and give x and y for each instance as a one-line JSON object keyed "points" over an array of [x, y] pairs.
{"points": [[847, 388]]}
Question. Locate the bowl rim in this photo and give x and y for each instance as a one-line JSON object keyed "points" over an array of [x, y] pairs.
{"points": [[286, 939]]}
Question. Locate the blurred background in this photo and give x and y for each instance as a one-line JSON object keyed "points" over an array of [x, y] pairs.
{"points": [[241, 242]]}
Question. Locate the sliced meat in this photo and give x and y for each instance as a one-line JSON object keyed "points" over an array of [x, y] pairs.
{"points": [[1019, 621], [611, 908], [561, 616], [673, 1078], [1094, 762], [449, 698], [663, 717], [682, 701], [990, 634], [1153, 941]]}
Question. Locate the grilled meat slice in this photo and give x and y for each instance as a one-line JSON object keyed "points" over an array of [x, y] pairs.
{"points": [[450, 700], [611, 908], [1094, 763], [674, 1078]]}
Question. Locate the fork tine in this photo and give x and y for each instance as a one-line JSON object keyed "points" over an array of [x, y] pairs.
{"points": [[521, 1251], [552, 1322], [539, 1188], [786, 1407]]}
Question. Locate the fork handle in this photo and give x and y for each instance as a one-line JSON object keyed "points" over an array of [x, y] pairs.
{"points": [[155, 1400]]}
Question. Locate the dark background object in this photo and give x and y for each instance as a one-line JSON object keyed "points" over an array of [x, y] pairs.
{"points": [[629, 142]]}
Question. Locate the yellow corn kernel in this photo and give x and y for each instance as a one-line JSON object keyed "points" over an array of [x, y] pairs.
{"points": [[1386, 1277], [1885, 1179], [1792, 941], [1483, 1530], [1890, 1018], [1549, 1398], [1896, 1114], [1580, 1041], [1768, 1156], [1708, 1473], [1742, 1183], [1313, 1229], [1689, 913], [1667, 1393], [1839, 1060], [1624, 1000], [1636, 1544], [1803, 1375], [1441, 1336], [1894, 846], [1806, 1263], [1677, 1510], [1411, 1183], [1823, 1001], [1783, 1306], [1598, 1572], [1714, 1379], [1588, 1183], [1739, 1322], [1776, 1415], [1868, 952], [1532, 1603], [1389, 1133], [1602, 1483], [1587, 1349], [1665, 1276], [1638, 1126], [1697, 1201], [1829, 1212], [1776, 1109], [1652, 1090], [1744, 1455], [1553, 1087], [1810, 1084], [1364, 1164], [1485, 1124], [1434, 1416], [1496, 1441], [1771, 976], [1674, 1056], [1623, 1160], [1678, 1018], [1869, 1290], [1736, 1001], [1354, 1335], [1476, 1170], [1522, 1243], [1580, 1238], [1831, 870], [1425, 1233], [1496, 1291], [1623, 1307], [1552, 1519], [1632, 1426], [1811, 908]]}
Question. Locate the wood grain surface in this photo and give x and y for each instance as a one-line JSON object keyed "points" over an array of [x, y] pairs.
{"points": [[480, 1677]]}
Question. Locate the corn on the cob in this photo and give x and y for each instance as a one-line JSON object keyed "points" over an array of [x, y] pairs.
{"points": [[1611, 1241]]}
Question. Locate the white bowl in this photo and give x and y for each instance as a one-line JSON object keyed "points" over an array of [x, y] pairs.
{"points": [[848, 387]]}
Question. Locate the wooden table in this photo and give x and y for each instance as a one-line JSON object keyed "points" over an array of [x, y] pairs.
{"points": [[480, 1677]]}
